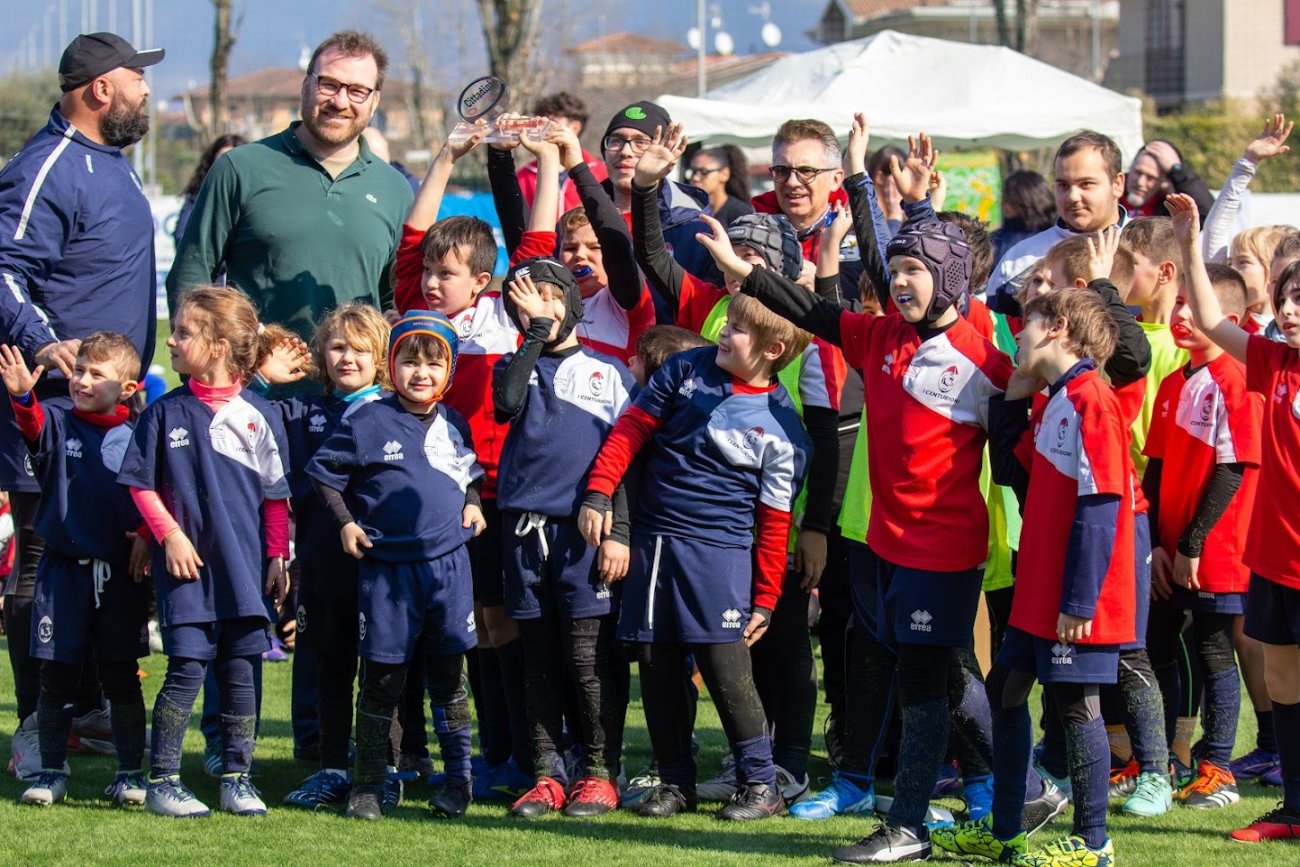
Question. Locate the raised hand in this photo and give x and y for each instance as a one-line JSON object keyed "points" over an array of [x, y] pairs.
{"points": [[455, 147], [859, 138], [719, 247], [938, 190], [523, 292], [1186, 218], [1164, 155], [1101, 253], [913, 176], [567, 141], [546, 149], [1272, 141], [13, 369], [659, 158], [841, 225], [286, 362]]}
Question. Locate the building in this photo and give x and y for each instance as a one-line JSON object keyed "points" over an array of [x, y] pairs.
{"points": [[623, 60]]}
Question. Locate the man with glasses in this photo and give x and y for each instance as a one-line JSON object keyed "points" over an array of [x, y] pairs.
{"points": [[309, 218]]}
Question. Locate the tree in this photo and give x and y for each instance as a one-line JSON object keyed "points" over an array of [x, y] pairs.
{"points": [[225, 29], [428, 120], [510, 31], [1025, 37], [25, 101]]}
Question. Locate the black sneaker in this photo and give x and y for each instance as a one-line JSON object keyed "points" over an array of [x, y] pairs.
{"points": [[753, 801], [363, 803], [451, 799], [1037, 812], [887, 844], [667, 800]]}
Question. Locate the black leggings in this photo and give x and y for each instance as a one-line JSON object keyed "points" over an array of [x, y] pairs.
{"points": [[62, 682], [786, 678], [382, 686]]}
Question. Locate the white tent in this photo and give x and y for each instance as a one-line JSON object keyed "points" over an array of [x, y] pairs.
{"points": [[961, 94]]}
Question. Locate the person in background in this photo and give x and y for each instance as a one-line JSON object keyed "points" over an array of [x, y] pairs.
{"points": [[891, 200], [1028, 207], [565, 109], [723, 173], [220, 145], [1156, 172]]}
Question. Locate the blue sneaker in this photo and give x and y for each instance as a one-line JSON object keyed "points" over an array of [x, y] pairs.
{"points": [[841, 798], [393, 792], [977, 792], [948, 783], [505, 782], [1062, 783], [478, 766], [1253, 765], [321, 789]]}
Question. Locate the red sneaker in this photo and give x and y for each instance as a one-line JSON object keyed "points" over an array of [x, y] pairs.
{"points": [[1280, 824], [546, 795], [591, 796]]}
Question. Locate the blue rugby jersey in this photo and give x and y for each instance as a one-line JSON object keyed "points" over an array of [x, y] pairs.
{"points": [[212, 472], [403, 483], [571, 404]]}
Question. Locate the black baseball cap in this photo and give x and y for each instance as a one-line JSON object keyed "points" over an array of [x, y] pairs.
{"points": [[90, 55]]}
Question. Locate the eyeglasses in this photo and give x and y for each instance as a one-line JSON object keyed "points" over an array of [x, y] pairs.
{"points": [[329, 88], [616, 143], [700, 173], [805, 174]]}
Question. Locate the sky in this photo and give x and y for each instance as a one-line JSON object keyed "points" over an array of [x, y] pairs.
{"points": [[275, 32]]}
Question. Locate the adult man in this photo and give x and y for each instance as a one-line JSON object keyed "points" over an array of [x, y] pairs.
{"points": [[1157, 171], [309, 218], [568, 110], [76, 256], [806, 176]]}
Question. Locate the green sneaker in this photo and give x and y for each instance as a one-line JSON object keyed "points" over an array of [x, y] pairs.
{"points": [[1069, 851], [977, 838], [1152, 796]]}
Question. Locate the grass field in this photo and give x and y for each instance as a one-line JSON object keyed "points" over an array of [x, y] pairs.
{"points": [[87, 831]]}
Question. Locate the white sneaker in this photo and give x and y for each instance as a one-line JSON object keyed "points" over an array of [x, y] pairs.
{"points": [[239, 796], [637, 789], [128, 789], [723, 786], [94, 733], [793, 790], [49, 787], [25, 750], [934, 816], [168, 796]]}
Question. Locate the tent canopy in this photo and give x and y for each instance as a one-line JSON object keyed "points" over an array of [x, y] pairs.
{"points": [[963, 95]]}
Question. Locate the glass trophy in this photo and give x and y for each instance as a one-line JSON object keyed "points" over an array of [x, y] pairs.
{"points": [[482, 106]]}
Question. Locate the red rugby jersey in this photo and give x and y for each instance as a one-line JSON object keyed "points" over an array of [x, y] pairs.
{"points": [[1273, 543]]}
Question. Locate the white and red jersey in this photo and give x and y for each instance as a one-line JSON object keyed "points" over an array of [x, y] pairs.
{"points": [[1081, 447], [1273, 543], [931, 396], [1202, 420]]}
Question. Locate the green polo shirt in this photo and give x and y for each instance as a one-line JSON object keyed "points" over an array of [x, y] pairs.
{"points": [[294, 240]]}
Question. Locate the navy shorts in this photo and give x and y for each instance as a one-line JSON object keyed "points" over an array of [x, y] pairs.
{"points": [[918, 606], [562, 580], [1207, 601], [1272, 611], [1053, 662], [224, 639], [70, 619], [403, 605], [486, 560], [685, 590], [327, 610], [1141, 582]]}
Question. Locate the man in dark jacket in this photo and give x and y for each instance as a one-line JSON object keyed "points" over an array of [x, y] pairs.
{"points": [[1157, 171]]}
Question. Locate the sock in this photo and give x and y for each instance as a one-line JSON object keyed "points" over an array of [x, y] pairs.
{"points": [[1012, 743], [972, 723], [1053, 758], [1143, 712], [1219, 720], [511, 658], [1184, 732], [925, 740], [372, 744], [127, 719], [1089, 775], [1286, 725], [169, 723], [1121, 748], [490, 706], [1265, 738], [754, 761], [238, 712]]}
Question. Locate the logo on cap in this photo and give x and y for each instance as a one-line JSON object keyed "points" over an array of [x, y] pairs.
{"points": [[635, 113]]}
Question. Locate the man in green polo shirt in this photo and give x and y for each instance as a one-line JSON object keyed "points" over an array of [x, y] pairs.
{"points": [[307, 219]]}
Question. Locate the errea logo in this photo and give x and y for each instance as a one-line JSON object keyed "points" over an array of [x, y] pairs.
{"points": [[1061, 654], [316, 423], [921, 621], [393, 451], [178, 437], [731, 619], [73, 448], [469, 622], [687, 389]]}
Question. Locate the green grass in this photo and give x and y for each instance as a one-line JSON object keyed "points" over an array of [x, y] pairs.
{"points": [[86, 830]]}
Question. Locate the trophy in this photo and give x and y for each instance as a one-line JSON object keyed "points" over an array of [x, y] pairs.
{"points": [[482, 106]]}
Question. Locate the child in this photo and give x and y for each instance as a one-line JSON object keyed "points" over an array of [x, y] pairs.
{"points": [[206, 471], [1272, 548], [726, 459], [1200, 481], [85, 603], [553, 391], [1250, 254], [400, 478], [1075, 581]]}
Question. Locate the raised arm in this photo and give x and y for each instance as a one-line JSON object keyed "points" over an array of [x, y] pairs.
{"points": [[661, 270], [1221, 220], [1206, 310], [428, 201], [868, 220]]}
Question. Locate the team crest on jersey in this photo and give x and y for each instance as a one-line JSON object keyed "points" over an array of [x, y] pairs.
{"points": [[45, 630], [753, 437], [596, 384], [687, 388], [178, 437], [921, 621], [27, 465], [361, 625], [316, 424], [73, 448], [393, 451], [1207, 407], [948, 379], [1062, 431], [731, 619], [465, 327], [1061, 654], [301, 617]]}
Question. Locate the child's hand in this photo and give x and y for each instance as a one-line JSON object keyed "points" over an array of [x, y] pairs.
{"points": [[807, 277], [756, 626], [1101, 253], [546, 149], [810, 557], [938, 191], [354, 539], [1187, 571], [1162, 570], [277, 582], [285, 362], [719, 247], [594, 525], [138, 564], [454, 150], [913, 176], [508, 144], [13, 369], [567, 141], [859, 138], [659, 158], [472, 516], [841, 224], [1272, 142], [1022, 385], [523, 292], [612, 560], [183, 562], [1070, 629], [1186, 218]]}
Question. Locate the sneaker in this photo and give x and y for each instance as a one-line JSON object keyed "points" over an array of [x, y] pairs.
{"points": [[240, 797], [413, 767], [545, 796], [935, 816], [1180, 775], [1070, 851], [452, 799], [392, 792], [168, 796], [949, 781], [977, 838], [364, 803], [977, 792], [722, 786], [277, 653], [128, 789], [640, 786], [1124, 780], [842, 797], [753, 801], [1253, 765], [792, 790], [94, 733], [887, 844], [505, 782], [1280, 824], [321, 789], [25, 750], [1037, 812], [1213, 787], [1062, 783], [1152, 796], [575, 763], [49, 787], [478, 767], [1273, 777], [591, 796], [214, 764], [666, 800], [155, 637]]}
